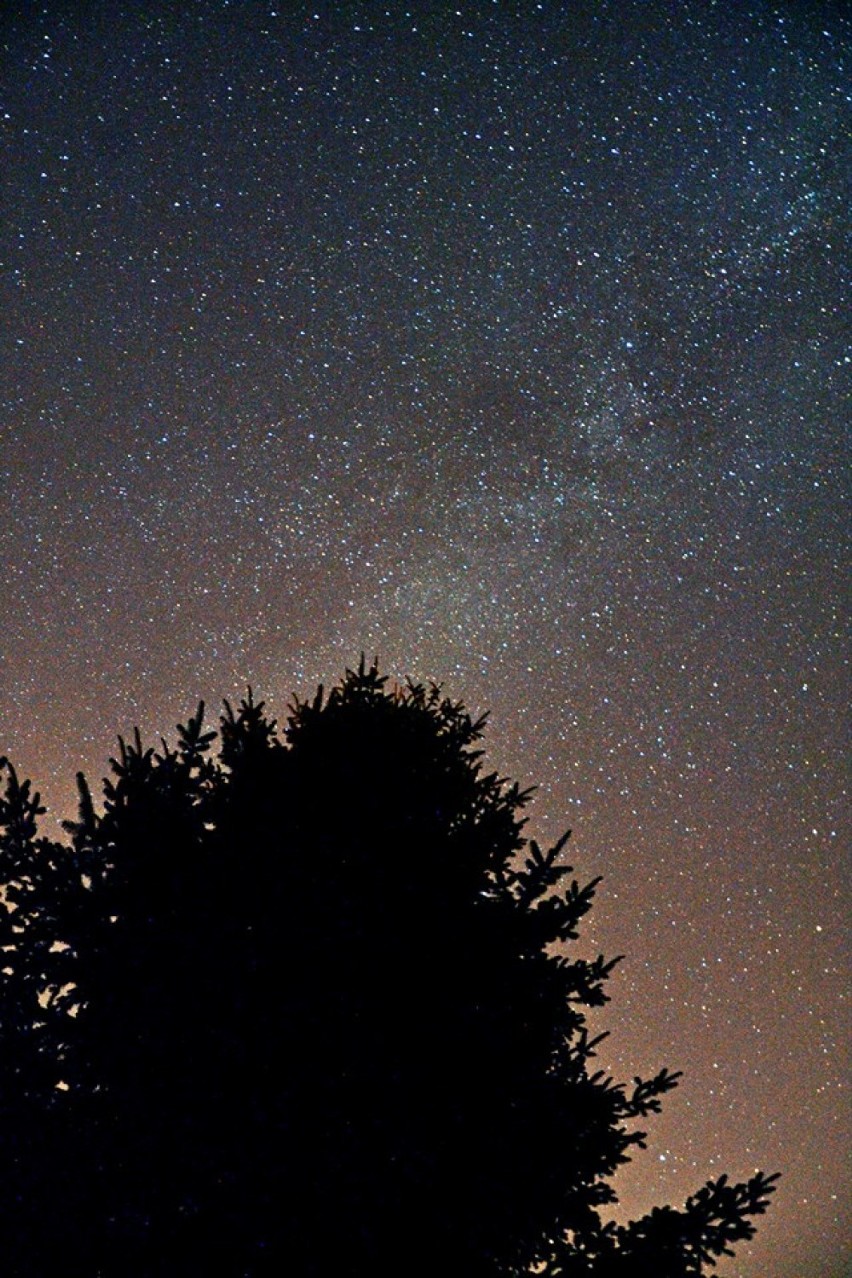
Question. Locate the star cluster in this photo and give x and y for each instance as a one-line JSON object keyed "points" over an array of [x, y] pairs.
{"points": [[504, 341]]}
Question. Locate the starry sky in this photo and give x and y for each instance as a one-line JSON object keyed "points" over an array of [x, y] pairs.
{"points": [[504, 341]]}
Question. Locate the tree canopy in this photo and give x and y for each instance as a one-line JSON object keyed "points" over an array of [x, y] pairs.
{"points": [[306, 1002]]}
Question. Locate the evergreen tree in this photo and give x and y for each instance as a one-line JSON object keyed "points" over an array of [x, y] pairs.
{"points": [[310, 1007]]}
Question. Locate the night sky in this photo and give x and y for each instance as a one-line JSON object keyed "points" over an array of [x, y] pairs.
{"points": [[504, 341]]}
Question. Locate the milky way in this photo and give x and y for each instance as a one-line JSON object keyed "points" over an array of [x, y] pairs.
{"points": [[504, 341]]}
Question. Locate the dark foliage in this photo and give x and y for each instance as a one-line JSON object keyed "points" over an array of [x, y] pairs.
{"points": [[299, 1010]]}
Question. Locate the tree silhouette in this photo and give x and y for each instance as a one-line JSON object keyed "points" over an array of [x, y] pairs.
{"points": [[309, 1007]]}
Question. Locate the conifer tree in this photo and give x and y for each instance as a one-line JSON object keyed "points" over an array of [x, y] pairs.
{"points": [[312, 1006]]}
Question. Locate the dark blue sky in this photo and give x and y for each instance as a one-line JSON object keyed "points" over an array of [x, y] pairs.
{"points": [[504, 341]]}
